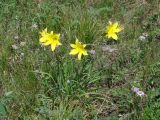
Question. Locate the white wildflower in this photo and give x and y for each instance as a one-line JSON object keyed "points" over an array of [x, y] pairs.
{"points": [[16, 37], [34, 26], [22, 54], [143, 37]]}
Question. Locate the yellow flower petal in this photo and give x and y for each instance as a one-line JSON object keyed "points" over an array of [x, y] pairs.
{"points": [[73, 52], [57, 36], [110, 22], [45, 29], [42, 39], [47, 43], [53, 47], [119, 29], [115, 25], [84, 45], [59, 43], [114, 36], [85, 52], [108, 35], [79, 56], [73, 45], [77, 41], [44, 32]]}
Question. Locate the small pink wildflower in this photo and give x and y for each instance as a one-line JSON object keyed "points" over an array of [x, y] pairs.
{"points": [[137, 91]]}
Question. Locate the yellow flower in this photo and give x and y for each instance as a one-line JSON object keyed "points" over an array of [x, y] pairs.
{"points": [[112, 30], [78, 48], [50, 39]]}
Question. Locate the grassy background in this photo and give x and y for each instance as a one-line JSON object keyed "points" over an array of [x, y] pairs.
{"points": [[37, 84]]}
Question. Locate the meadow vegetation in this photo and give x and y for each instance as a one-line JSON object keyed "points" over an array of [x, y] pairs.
{"points": [[37, 83]]}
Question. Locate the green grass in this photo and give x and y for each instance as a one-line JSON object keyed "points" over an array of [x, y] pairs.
{"points": [[38, 84]]}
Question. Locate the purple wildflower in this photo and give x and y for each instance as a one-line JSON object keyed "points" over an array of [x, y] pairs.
{"points": [[135, 89], [140, 93]]}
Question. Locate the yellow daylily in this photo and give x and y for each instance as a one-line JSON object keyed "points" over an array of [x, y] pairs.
{"points": [[112, 30], [78, 48], [50, 39]]}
